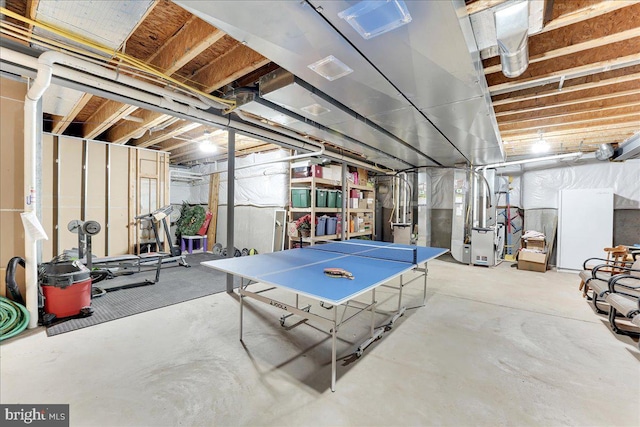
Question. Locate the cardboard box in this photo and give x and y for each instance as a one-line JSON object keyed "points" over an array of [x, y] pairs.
{"points": [[362, 203], [534, 243], [363, 176], [333, 172], [531, 266], [532, 261], [531, 256]]}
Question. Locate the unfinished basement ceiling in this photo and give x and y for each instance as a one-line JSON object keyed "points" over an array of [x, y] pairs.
{"points": [[421, 87]]}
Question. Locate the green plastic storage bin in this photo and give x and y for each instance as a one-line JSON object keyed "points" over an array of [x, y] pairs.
{"points": [[339, 199], [321, 198], [331, 198], [301, 197]]}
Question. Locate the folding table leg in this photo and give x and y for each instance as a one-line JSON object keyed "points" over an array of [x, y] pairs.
{"points": [[401, 309], [241, 305], [333, 348], [424, 294], [373, 311]]}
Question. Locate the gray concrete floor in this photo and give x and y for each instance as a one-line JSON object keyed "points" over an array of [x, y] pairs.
{"points": [[491, 347]]}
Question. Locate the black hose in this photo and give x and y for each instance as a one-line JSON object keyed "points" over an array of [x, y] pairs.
{"points": [[10, 278]]}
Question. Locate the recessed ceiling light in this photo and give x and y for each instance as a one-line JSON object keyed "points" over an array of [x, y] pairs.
{"points": [[315, 109], [372, 18], [331, 68]]}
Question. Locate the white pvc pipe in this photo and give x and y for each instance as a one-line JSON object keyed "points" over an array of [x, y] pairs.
{"points": [[405, 189], [31, 198], [537, 159], [87, 68], [282, 159], [139, 95]]}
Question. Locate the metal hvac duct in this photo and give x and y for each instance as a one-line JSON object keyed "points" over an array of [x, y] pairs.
{"points": [[432, 96], [629, 149], [512, 27], [604, 152]]}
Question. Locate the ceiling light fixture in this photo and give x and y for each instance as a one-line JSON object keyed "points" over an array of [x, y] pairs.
{"points": [[208, 147], [540, 146], [373, 18], [331, 68]]}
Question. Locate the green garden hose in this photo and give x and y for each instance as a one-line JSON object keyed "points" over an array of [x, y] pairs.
{"points": [[14, 318]]}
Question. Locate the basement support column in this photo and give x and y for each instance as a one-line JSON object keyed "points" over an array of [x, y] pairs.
{"points": [[231, 175], [345, 201]]}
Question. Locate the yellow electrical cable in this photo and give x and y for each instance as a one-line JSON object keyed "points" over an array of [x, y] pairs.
{"points": [[26, 36], [122, 56]]}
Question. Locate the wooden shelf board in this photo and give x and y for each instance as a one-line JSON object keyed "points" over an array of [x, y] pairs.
{"points": [[317, 210], [360, 187], [360, 233], [310, 180]]}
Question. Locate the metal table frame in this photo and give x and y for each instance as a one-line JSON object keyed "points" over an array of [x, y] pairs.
{"points": [[332, 322]]}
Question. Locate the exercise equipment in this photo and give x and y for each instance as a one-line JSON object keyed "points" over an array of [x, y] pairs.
{"points": [[114, 266], [217, 249]]}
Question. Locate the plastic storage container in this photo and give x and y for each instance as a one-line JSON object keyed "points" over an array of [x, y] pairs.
{"points": [[339, 199], [321, 198], [300, 197], [321, 227], [332, 198], [332, 224], [66, 288]]}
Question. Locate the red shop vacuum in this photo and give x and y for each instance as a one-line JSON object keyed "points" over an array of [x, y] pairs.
{"points": [[66, 289]]}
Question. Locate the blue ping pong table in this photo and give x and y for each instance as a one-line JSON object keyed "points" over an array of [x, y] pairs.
{"points": [[301, 271]]}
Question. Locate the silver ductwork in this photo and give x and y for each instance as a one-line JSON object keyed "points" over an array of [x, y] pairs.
{"points": [[431, 96], [253, 104], [628, 149], [512, 27], [604, 152], [294, 104]]}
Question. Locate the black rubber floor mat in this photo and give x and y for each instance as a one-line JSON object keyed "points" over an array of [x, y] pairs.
{"points": [[176, 285]]}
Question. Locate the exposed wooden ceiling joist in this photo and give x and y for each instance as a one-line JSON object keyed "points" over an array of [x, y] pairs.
{"points": [[61, 123], [621, 120], [566, 110], [175, 129], [124, 130], [234, 64], [106, 116], [189, 42], [573, 11]]}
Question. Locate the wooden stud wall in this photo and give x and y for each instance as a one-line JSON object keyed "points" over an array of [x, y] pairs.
{"points": [[214, 190]]}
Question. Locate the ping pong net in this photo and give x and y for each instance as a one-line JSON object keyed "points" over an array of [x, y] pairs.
{"points": [[389, 253]]}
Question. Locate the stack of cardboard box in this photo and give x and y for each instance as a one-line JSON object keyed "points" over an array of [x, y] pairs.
{"points": [[533, 254]]}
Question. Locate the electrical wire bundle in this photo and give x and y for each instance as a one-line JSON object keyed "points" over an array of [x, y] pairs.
{"points": [[14, 318]]}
